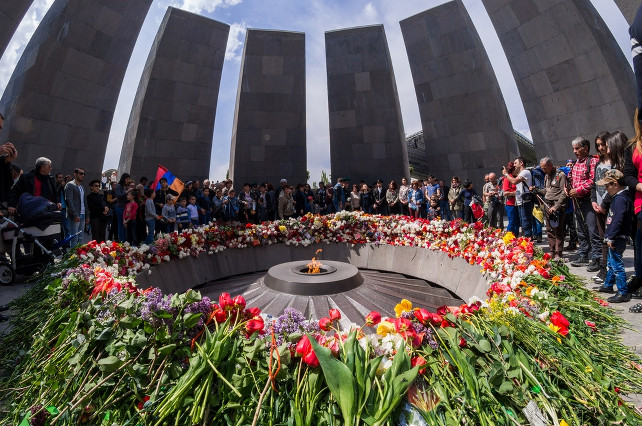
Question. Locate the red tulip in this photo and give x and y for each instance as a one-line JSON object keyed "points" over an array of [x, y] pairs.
{"points": [[334, 314], [239, 302], [311, 359], [220, 315], [325, 324], [254, 325], [559, 320], [225, 301], [463, 343], [373, 318], [252, 312], [418, 360], [423, 315], [304, 346]]}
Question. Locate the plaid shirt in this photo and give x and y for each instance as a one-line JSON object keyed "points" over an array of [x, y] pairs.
{"points": [[580, 178]]}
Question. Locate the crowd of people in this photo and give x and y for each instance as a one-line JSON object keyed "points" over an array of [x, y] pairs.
{"points": [[592, 199]]}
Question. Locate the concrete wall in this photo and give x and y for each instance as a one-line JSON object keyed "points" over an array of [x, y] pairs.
{"points": [[454, 274], [61, 97], [571, 74], [172, 120], [628, 8], [269, 133], [466, 128], [367, 139], [11, 14]]}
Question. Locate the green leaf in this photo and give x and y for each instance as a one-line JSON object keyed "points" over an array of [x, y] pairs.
{"points": [[167, 349], [484, 346], [339, 379], [191, 319], [53, 410], [192, 296], [505, 388], [109, 364]]}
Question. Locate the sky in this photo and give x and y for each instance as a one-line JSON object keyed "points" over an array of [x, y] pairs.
{"points": [[314, 17]]}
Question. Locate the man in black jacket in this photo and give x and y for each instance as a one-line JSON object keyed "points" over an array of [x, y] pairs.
{"points": [[37, 182]]}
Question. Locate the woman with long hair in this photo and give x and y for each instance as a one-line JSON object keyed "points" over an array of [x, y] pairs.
{"points": [[392, 198]]}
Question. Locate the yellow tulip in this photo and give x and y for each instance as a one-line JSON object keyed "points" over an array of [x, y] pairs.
{"points": [[404, 306]]}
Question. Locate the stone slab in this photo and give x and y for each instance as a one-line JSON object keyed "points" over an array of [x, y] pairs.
{"points": [[11, 14], [169, 110], [75, 62], [549, 48], [458, 94], [269, 132], [367, 138]]}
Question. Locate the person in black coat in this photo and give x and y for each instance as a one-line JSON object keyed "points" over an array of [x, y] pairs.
{"points": [[98, 211], [37, 182]]}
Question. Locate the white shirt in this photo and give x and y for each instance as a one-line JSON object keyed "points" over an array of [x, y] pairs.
{"points": [[522, 187]]}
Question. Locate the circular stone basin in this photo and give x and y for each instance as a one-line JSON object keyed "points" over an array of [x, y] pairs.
{"points": [[293, 278]]}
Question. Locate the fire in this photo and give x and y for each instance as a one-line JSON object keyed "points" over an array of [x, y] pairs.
{"points": [[314, 267]]}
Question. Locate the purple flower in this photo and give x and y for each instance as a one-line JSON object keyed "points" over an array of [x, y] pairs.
{"points": [[292, 321]]}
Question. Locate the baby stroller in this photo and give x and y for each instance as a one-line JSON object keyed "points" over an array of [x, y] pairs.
{"points": [[31, 242]]}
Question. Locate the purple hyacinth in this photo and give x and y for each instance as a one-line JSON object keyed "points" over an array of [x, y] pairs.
{"points": [[292, 321], [154, 302]]}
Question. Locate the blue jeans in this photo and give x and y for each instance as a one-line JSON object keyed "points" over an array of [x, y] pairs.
{"points": [[512, 214], [151, 228], [637, 258], [75, 229], [615, 273], [526, 218], [537, 227], [122, 232]]}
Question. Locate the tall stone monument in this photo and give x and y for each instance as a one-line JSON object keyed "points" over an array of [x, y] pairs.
{"points": [[367, 138], [11, 14], [571, 74], [172, 121], [466, 128], [268, 137], [628, 8], [60, 100]]}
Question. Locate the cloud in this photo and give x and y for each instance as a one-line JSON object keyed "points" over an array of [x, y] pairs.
{"points": [[370, 12], [204, 6], [20, 39], [235, 40]]}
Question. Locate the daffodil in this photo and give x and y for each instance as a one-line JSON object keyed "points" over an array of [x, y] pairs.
{"points": [[563, 423], [404, 306]]}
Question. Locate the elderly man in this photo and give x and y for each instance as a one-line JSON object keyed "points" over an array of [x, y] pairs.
{"points": [[37, 182], [495, 206], [554, 193], [581, 179]]}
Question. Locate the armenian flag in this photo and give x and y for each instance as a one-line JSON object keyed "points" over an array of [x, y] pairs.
{"points": [[174, 183]]}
